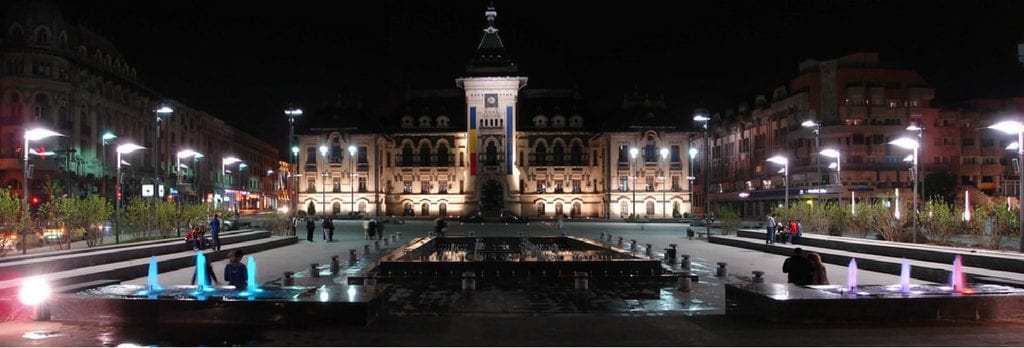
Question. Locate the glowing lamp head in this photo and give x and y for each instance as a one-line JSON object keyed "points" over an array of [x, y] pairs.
{"points": [[693, 153], [664, 153], [128, 148], [1008, 127], [906, 143], [830, 153], [633, 152], [778, 160], [323, 150], [231, 160], [809, 124], [40, 134], [33, 291]]}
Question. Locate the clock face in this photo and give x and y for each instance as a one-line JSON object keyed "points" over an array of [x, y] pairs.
{"points": [[491, 100]]}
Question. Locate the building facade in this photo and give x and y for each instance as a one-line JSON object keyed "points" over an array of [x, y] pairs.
{"points": [[67, 78], [494, 147]]}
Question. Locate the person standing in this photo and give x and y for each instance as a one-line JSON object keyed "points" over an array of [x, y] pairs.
{"points": [[310, 226], [371, 228], [818, 274], [367, 234], [235, 272], [798, 268], [769, 238], [215, 231], [293, 224], [328, 227], [559, 222], [440, 226], [380, 229]]}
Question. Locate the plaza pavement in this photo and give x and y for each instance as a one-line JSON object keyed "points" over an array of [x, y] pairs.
{"points": [[570, 329]]}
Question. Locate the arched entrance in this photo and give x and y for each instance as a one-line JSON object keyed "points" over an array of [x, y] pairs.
{"points": [[492, 196]]}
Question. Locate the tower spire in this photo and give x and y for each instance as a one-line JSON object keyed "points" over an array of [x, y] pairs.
{"points": [[491, 58], [491, 13]]}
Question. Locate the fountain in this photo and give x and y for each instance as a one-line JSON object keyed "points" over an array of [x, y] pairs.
{"points": [[151, 281], [956, 279], [905, 276], [252, 287], [851, 275], [201, 277]]}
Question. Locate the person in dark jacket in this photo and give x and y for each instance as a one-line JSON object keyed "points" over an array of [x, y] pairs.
{"points": [[310, 226], [328, 227], [235, 272], [215, 231], [798, 268]]}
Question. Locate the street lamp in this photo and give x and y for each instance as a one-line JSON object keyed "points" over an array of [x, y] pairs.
{"points": [[1014, 127], [911, 144], [161, 112], [34, 134], [188, 153], [785, 173], [817, 143], [913, 127], [294, 178], [241, 187], [352, 179], [632, 158], [702, 115], [323, 152], [107, 136], [121, 149], [664, 181], [224, 162], [292, 114], [833, 153], [693, 154]]}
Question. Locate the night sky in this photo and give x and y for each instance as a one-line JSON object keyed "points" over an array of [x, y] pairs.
{"points": [[242, 61]]}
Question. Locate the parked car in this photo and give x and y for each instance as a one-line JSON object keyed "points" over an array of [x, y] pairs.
{"points": [[471, 218]]}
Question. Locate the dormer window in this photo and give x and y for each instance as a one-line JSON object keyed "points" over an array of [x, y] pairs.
{"points": [[42, 35], [442, 121], [424, 121], [540, 121], [558, 121], [407, 121], [575, 121]]}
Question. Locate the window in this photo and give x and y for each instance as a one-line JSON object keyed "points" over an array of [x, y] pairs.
{"points": [[337, 185], [491, 158], [442, 186], [576, 187], [335, 208], [442, 209], [335, 154], [425, 209], [650, 183], [540, 208], [623, 154], [424, 155], [858, 139], [650, 208], [407, 186], [361, 153], [558, 186], [310, 157], [968, 142], [540, 155], [425, 186], [362, 184], [310, 184], [558, 209], [674, 150], [987, 142], [542, 185], [442, 155], [576, 154], [675, 183], [407, 155], [624, 208], [558, 155]]}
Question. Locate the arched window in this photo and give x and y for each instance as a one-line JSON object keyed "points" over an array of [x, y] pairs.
{"points": [[576, 154], [650, 208], [491, 158], [577, 209], [362, 207], [336, 208], [558, 209], [442, 209], [425, 155], [408, 209], [559, 154], [540, 208], [42, 35], [425, 209], [624, 209], [540, 155], [336, 153], [407, 155], [442, 155], [41, 109]]}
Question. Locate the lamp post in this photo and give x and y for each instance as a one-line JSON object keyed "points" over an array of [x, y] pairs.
{"points": [[912, 144], [817, 143], [352, 179], [701, 115], [833, 153], [632, 158], [121, 149], [913, 127], [294, 179], [785, 173], [224, 162], [292, 114], [241, 187], [107, 136], [693, 154], [323, 152], [161, 113], [1015, 127], [664, 181], [34, 134]]}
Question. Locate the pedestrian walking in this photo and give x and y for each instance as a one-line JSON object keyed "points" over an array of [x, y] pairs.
{"points": [[235, 272], [310, 226], [769, 237], [215, 231], [798, 268], [328, 227]]}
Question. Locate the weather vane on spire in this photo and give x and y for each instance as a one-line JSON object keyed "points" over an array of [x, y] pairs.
{"points": [[491, 13]]}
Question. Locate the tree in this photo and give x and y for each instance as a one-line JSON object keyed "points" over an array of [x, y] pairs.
{"points": [[10, 208], [730, 220], [166, 217], [940, 221], [1003, 220], [940, 185], [86, 215], [138, 216], [878, 216]]}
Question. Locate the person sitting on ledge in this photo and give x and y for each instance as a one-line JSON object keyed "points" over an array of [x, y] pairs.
{"points": [[235, 272]]}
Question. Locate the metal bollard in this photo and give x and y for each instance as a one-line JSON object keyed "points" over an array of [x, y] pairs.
{"points": [[398, 236], [288, 279], [758, 277], [366, 249], [314, 270], [647, 250], [685, 262], [720, 272], [602, 237], [684, 282], [472, 234], [352, 258], [620, 242], [582, 281], [376, 245], [385, 241], [393, 239], [468, 281], [335, 264]]}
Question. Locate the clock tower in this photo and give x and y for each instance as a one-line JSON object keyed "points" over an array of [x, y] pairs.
{"points": [[492, 85]]}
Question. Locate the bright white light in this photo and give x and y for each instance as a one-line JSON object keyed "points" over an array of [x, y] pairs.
{"points": [[830, 153], [231, 160], [283, 210], [187, 153], [693, 153], [40, 133], [914, 128], [352, 150], [744, 194], [778, 160], [164, 109], [832, 165], [1009, 127], [633, 152], [47, 153], [906, 143], [909, 158], [664, 153], [809, 123], [1013, 146], [323, 150], [33, 291], [293, 112], [108, 136], [241, 166], [701, 118], [295, 150], [128, 148]]}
